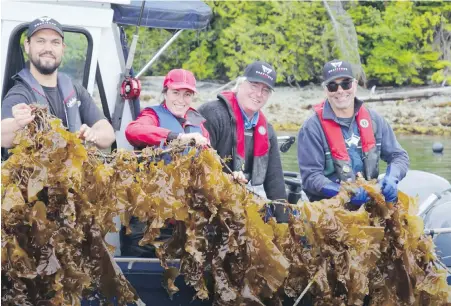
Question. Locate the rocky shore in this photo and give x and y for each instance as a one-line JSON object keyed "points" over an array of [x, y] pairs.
{"points": [[289, 107]]}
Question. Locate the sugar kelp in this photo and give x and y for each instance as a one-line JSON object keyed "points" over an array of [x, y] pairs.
{"points": [[376, 254], [54, 222], [55, 188]]}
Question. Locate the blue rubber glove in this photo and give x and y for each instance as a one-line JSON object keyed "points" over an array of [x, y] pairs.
{"points": [[389, 188], [330, 190], [360, 197]]}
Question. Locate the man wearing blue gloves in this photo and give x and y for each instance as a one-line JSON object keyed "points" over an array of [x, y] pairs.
{"points": [[343, 139]]}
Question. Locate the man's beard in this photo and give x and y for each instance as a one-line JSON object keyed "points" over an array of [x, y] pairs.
{"points": [[43, 68]]}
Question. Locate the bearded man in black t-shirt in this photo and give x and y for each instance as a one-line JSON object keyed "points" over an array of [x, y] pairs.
{"points": [[41, 83]]}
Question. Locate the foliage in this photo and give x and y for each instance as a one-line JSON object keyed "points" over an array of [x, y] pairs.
{"points": [[399, 42], [396, 44], [59, 199], [74, 55]]}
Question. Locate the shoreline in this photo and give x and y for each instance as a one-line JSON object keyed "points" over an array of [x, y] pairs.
{"points": [[289, 107], [398, 129]]}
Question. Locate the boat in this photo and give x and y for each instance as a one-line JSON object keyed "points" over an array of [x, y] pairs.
{"points": [[106, 64]]}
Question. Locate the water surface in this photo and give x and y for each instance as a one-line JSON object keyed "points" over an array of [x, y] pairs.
{"points": [[419, 148]]}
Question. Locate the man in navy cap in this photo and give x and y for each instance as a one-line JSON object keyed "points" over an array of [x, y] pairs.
{"points": [[41, 83], [238, 129], [343, 139]]}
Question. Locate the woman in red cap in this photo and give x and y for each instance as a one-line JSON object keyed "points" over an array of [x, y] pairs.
{"points": [[172, 119], [156, 125]]}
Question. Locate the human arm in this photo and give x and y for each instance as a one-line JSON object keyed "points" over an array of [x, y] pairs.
{"points": [[198, 138], [145, 130], [205, 132], [16, 114], [240, 177], [101, 133], [212, 124], [274, 183], [95, 127], [397, 160], [311, 160], [21, 117]]}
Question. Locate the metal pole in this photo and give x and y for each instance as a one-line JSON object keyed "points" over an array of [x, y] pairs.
{"points": [[141, 259], [223, 87], [133, 260], [157, 55], [430, 202], [131, 53], [434, 231], [306, 289]]}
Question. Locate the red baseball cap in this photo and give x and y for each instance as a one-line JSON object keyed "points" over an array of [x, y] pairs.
{"points": [[180, 79]]}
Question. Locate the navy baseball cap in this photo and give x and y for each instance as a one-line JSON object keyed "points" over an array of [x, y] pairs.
{"points": [[336, 69], [44, 23], [261, 72]]}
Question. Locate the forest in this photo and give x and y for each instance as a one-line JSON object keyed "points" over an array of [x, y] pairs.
{"points": [[394, 43]]}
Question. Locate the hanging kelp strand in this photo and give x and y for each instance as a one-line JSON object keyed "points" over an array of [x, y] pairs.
{"points": [[53, 222], [59, 199]]}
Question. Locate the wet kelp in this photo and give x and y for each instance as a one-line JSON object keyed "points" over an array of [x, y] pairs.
{"points": [[377, 251], [53, 222], [59, 198]]}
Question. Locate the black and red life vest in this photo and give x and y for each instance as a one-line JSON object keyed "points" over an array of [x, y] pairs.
{"points": [[337, 157], [260, 139]]}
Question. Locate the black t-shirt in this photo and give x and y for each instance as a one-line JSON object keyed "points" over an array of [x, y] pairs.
{"points": [[56, 107], [89, 112], [346, 121]]}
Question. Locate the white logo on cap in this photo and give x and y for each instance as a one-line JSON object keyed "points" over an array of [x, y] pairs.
{"points": [[337, 64], [364, 123], [45, 19], [265, 73], [262, 130], [266, 69], [337, 67]]}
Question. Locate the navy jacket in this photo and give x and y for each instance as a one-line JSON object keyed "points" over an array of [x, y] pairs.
{"points": [[311, 154]]}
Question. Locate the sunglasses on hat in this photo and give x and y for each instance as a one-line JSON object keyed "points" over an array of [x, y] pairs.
{"points": [[345, 84]]}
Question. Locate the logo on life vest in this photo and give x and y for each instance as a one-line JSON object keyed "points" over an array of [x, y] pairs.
{"points": [[262, 130], [73, 102], [353, 140], [364, 123]]}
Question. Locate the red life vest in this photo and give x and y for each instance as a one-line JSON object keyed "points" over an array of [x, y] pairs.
{"points": [[337, 146], [261, 141]]}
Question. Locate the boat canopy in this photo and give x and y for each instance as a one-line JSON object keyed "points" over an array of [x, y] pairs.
{"points": [[187, 15]]}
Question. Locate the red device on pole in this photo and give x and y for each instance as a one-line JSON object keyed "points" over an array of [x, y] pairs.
{"points": [[130, 88]]}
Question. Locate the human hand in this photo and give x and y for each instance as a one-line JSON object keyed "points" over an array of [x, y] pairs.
{"points": [[389, 188], [197, 137], [22, 114], [239, 176], [87, 133], [360, 197], [330, 190]]}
